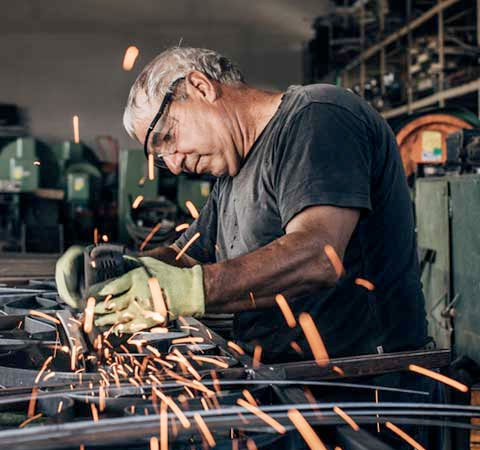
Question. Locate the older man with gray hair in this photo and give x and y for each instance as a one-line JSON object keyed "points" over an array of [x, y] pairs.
{"points": [[307, 179]]}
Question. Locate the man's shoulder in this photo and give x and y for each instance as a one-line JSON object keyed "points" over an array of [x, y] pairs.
{"points": [[323, 97]]}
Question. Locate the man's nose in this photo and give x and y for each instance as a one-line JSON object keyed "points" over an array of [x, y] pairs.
{"points": [[174, 162]]}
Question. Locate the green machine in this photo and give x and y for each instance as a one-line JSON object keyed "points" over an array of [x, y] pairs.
{"points": [[133, 181], [448, 213]]}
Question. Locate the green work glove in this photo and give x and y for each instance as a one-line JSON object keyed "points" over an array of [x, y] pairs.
{"points": [[67, 275], [182, 290]]}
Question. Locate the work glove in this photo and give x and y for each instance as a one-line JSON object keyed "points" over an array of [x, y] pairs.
{"points": [[68, 272], [131, 305]]}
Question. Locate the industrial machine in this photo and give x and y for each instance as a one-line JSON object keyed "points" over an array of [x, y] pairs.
{"points": [[47, 195]]}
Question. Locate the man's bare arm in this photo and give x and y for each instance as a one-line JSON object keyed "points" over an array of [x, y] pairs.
{"points": [[169, 254], [293, 265]]}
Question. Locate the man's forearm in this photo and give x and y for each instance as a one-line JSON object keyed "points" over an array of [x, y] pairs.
{"points": [[294, 264]]}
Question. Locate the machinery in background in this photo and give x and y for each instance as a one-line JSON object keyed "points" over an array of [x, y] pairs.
{"points": [[48, 196], [162, 204]]}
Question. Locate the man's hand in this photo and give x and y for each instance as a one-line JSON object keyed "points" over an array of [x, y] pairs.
{"points": [[131, 304], [67, 275]]}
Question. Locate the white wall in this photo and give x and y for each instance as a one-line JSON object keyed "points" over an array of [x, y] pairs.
{"points": [[56, 75]]}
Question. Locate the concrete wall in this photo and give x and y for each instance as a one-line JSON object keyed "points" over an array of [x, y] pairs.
{"points": [[56, 75]]}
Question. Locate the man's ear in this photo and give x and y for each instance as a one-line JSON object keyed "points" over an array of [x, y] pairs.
{"points": [[199, 85]]}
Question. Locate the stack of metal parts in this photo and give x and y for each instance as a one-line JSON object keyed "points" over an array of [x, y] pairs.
{"points": [[64, 388]]}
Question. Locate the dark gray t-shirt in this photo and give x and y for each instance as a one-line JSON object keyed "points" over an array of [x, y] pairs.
{"points": [[324, 146]]}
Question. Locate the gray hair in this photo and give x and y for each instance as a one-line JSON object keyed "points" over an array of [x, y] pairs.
{"points": [[155, 79]]}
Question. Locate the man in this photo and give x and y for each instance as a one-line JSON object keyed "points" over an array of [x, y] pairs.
{"points": [[297, 171]]}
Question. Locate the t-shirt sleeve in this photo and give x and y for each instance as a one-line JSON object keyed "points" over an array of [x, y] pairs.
{"points": [[323, 158], [203, 248]]}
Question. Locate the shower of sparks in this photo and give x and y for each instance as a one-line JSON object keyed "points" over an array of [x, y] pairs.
{"points": [[137, 201], [76, 130], [334, 260], [236, 347], [192, 209], [150, 235], [131, 54], [404, 436], [174, 407], [305, 430], [151, 167], [43, 315], [204, 429], [187, 245], [438, 377], [346, 418], [365, 283], [182, 227], [89, 313], [286, 310], [257, 356], [314, 339], [31, 419], [277, 426], [159, 304]]}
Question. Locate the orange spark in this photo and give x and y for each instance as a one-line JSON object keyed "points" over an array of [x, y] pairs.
{"points": [[163, 426], [346, 418], [182, 226], [43, 315], [338, 370], [105, 238], [31, 419], [252, 299], [154, 443], [257, 356], [131, 54], [42, 369], [235, 347], [187, 245], [251, 444], [48, 376], [150, 235], [76, 130], [436, 376], [314, 339], [204, 429], [188, 340], [286, 311], [365, 283], [137, 201], [36, 163], [404, 436], [95, 236], [262, 415], [94, 412], [334, 260], [211, 360], [192, 209], [151, 171], [32, 402], [306, 431], [159, 304], [296, 347], [60, 406], [89, 313]]}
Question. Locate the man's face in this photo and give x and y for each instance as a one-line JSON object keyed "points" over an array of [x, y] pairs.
{"points": [[194, 136]]}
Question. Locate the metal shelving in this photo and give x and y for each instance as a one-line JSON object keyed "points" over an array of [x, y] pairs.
{"points": [[442, 94]]}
